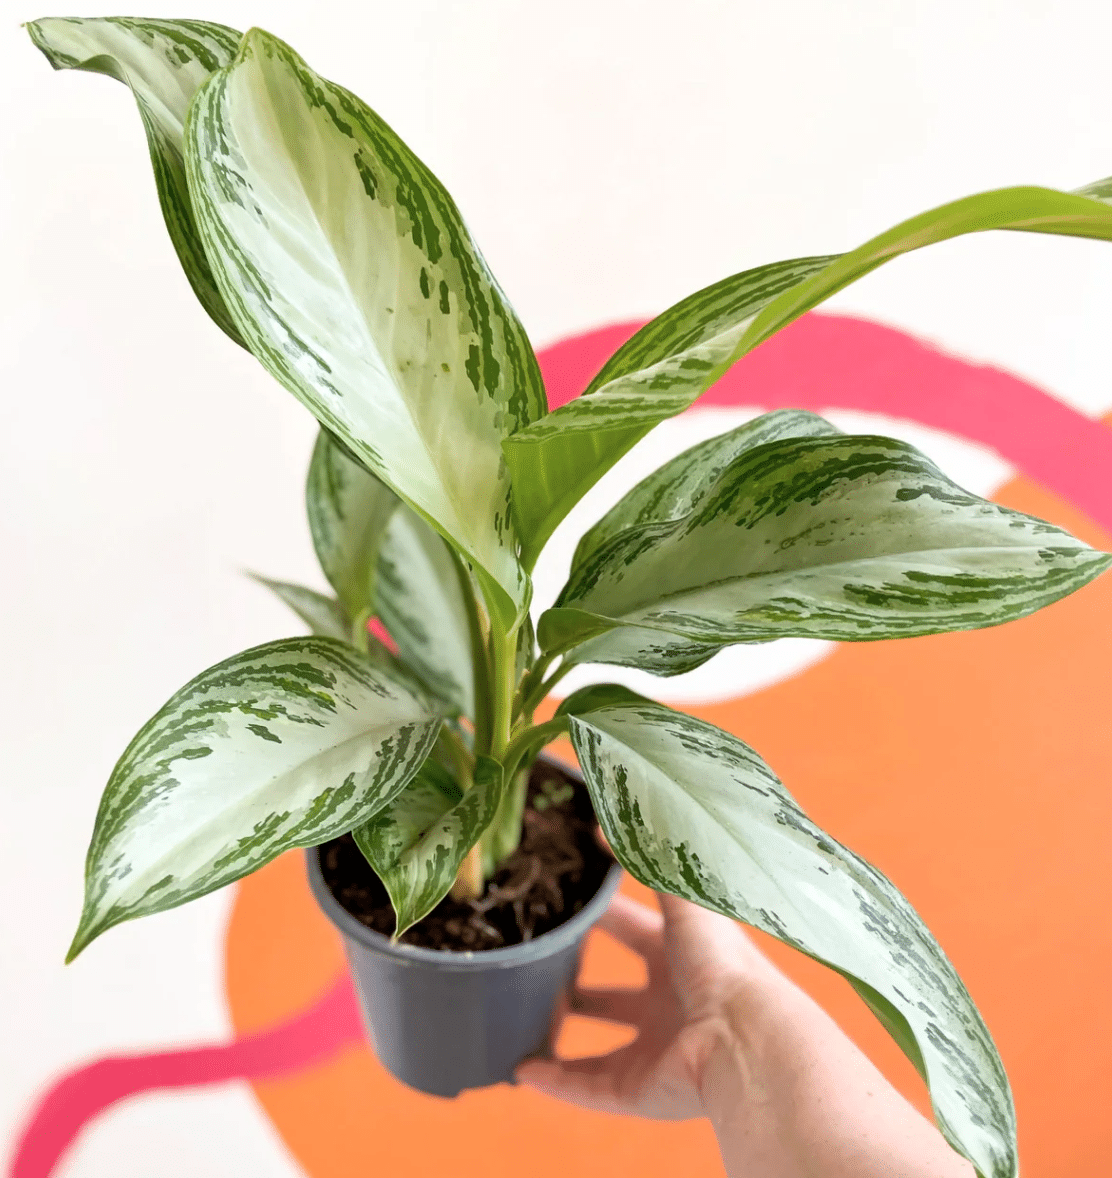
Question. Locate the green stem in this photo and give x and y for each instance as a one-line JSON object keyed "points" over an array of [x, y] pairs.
{"points": [[531, 740], [530, 703], [528, 684], [479, 657], [503, 836], [503, 650], [360, 639], [459, 754]]}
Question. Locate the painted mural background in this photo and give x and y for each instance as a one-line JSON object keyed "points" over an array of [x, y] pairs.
{"points": [[610, 158]]}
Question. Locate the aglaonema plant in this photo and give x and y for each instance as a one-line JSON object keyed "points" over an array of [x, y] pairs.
{"points": [[316, 239]]}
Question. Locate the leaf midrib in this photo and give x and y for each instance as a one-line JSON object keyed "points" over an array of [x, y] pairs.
{"points": [[686, 590], [341, 271]]}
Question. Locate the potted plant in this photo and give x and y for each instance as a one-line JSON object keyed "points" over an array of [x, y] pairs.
{"points": [[411, 766]]}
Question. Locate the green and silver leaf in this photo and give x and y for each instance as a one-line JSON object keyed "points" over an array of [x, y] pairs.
{"points": [[286, 745], [690, 810], [324, 615], [417, 843], [348, 510], [163, 62], [671, 361], [419, 599], [351, 275], [844, 538], [674, 489]]}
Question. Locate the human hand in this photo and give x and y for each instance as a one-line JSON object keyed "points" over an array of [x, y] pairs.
{"points": [[722, 1033], [697, 962]]}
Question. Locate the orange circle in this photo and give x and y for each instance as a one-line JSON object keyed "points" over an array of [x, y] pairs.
{"points": [[972, 768]]}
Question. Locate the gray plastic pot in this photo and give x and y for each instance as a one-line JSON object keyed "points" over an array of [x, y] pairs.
{"points": [[442, 1022]]}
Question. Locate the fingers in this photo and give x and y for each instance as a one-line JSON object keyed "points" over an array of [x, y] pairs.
{"points": [[590, 1083], [684, 913], [704, 936], [633, 925], [563, 1009], [614, 1005], [709, 956]]}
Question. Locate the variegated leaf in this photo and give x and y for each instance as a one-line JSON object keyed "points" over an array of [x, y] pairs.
{"points": [[675, 489], [324, 616], [286, 745], [419, 599], [417, 843], [667, 365], [691, 810], [348, 509], [643, 647], [163, 62], [352, 277], [844, 538]]}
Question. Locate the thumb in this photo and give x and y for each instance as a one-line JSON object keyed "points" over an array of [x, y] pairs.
{"points": [[589, 1083], [706, 948]]}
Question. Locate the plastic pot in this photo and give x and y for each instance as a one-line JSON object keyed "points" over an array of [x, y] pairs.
{"points": [[442, 1022]]}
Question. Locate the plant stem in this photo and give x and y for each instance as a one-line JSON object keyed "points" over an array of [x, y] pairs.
{"points": [[541, 691], [459, 754], [496, 653], [480, 661], [530, 740], [502, 837], [359, 636], [528, 684], [470, 879], [503, 650]]}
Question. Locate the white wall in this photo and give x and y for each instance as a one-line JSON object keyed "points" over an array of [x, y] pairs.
{"points": [[610, 157]]}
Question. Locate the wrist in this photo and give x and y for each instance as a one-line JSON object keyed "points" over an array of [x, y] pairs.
{"points": [[782, 1085], [728, 1071]]}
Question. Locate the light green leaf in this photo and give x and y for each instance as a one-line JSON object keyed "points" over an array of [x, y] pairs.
{"points": [[419, 599], [643, 647], [417, 843], [286, 745], [667, 365], [324, 616], [348, 509], [163, 62], [675, 489], [691, 810], [843, 538], [352, 277]]}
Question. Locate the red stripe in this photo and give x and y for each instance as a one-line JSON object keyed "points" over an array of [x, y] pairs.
{"points": [[833, 361], [309, 1038]]}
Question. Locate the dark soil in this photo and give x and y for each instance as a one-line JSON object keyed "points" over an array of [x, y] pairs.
{"points": [[556, 870]]}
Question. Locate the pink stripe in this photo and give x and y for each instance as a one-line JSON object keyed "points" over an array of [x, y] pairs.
{"points": [[375, 626], [833, 361], [309, 1038]]}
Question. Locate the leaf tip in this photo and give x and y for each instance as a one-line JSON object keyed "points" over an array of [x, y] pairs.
{"points": [[257, 44], [41, 42], [87, 932]]}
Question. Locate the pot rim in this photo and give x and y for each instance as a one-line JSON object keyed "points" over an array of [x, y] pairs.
{"points": [[470, 959]]}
